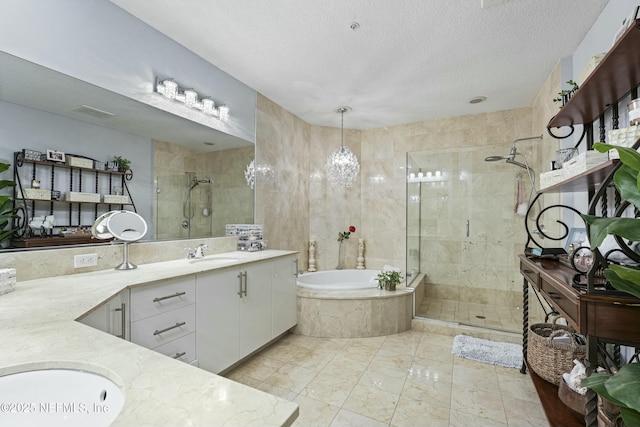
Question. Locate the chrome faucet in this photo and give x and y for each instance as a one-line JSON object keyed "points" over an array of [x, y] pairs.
{"points": [[199, 253]]}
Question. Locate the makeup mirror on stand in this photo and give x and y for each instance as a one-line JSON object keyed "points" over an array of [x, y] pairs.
{"points": [[125, 226]]}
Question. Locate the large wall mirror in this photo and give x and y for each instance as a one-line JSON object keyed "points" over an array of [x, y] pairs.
{"points": [[188, 179]]}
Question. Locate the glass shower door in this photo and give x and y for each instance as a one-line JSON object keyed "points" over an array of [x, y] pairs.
{"points": [[464, 235]]}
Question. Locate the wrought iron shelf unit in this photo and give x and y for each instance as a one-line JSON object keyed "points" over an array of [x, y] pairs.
{"points": [[602, 316], [78, 178]]}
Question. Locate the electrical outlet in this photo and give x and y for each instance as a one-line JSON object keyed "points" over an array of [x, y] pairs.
{"points": [[85, 260]]}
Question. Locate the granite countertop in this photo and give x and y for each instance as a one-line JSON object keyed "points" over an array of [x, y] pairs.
{"points": [[39, 329]]}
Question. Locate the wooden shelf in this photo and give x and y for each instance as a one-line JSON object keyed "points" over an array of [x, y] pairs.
{"points": [[558, 414], [588, 180], [40, 242], [612, 79], [71, 201], [66, 166]]}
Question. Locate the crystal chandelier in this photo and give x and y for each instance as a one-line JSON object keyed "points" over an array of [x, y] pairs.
{"points": [[342, 164]]}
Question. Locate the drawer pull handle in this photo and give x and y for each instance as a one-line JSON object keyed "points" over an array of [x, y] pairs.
{"points": [[626, 305], [179, 355], [177, 325], [177, 294]]}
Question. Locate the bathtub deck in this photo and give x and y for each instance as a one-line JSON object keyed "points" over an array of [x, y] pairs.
{"points": [[354, 313]]}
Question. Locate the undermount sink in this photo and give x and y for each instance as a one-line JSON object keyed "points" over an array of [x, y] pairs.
{"points": [[58, 397], [215, 258]]}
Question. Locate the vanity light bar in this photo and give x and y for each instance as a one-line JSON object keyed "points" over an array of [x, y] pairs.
{"points": [[190, 98]]}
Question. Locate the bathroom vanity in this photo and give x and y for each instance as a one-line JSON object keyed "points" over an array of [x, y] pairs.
{"points": [[149, 306]]}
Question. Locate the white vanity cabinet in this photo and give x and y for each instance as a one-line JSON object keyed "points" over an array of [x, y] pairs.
{"points": [[233, 313], [111, 317], [163, 317], [284, 289]]}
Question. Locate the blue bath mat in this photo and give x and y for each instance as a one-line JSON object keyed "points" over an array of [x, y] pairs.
{"points": [[485, 351]]}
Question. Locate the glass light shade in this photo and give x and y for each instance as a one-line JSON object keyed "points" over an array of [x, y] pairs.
{"points": [[170, 89], [223, 112], [342, 167], [190, 98], [208, 106]]}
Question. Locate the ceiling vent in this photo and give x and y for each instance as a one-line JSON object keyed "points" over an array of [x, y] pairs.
{"points": [[101, 114]]}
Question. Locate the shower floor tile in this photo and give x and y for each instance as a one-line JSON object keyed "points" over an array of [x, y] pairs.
{"points": [[485, 315]]}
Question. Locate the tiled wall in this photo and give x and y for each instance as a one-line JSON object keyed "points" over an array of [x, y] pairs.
{"points": [[282, 201], [229, 199], [375, 204]]}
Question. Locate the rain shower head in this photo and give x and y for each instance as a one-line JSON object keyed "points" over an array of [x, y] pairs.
{"points": [[510, 158], [495, 158]]}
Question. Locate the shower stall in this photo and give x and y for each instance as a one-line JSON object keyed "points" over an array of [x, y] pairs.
{"points": [[184, 206], [465, 231]]}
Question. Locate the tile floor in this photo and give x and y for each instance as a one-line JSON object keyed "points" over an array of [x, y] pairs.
{"points": [[408, 379], [483, 315]]}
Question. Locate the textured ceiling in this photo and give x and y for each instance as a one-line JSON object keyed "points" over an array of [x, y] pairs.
{"points": [[410, 60]]}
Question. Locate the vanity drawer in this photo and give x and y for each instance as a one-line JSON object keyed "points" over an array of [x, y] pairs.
{"points": [[157, 330], [150, 300], [562, 299], [183, 349], [531, 274]]}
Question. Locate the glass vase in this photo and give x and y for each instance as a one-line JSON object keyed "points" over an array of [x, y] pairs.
{"points": [[340, 265]]}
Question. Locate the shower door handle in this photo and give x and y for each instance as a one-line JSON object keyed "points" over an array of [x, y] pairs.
{"points": [[467, 228]]}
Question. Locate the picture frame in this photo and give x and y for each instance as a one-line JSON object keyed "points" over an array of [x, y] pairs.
{"points": [[55, 156], [576, 236]]}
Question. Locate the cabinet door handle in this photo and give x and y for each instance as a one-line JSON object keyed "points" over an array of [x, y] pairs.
{"points": [[123, 320], [179, 355], [240, 289], [177, 325], [295, 272], [177, 294], [244, 274]]}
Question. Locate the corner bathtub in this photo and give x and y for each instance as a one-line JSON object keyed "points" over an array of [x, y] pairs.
{"points": [[339, 280], [348, 304]]}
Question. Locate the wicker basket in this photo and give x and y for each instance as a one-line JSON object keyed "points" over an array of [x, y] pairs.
{"points": [[549, 358]]}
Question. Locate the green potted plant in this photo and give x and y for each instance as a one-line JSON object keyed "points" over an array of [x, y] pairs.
{"points": [[623, 387], [123, 164], [389, 278], [565, 94], [7, 211]]}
